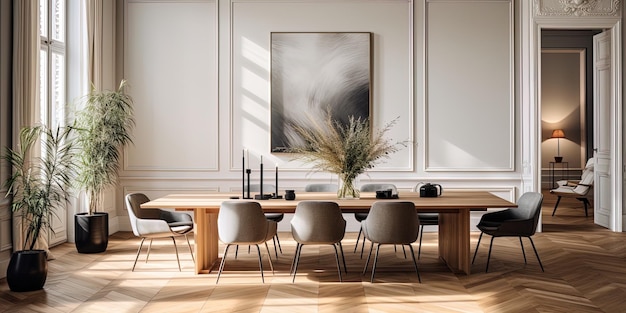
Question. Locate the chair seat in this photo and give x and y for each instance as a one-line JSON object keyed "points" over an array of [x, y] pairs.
{"points": [[429, 218], [276, 217], [174, 224], [488, 229], [360, 216], [181, 229], [489, 224], [564, 190]]}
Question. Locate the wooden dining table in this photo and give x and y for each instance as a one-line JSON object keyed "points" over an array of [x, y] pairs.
{"points": [[454, 209]]}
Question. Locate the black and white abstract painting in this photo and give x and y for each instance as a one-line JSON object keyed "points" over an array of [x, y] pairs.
{"points": [[315, 73]]}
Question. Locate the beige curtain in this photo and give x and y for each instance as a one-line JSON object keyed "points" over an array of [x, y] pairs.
{"points": [[95, 29], [26, 47]]}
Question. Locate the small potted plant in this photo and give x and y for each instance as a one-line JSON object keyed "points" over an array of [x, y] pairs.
{"points": [[104, 127], [43, 169]]}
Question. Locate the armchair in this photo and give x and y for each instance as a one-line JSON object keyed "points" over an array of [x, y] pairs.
{"points": [[518, 222], [156, 223], [581, 190]]}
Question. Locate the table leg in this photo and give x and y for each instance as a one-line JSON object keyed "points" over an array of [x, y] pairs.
{"points": [[206, 240], [454, 240]]}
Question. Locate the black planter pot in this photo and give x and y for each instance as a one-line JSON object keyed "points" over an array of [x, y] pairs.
{"points": [[91, 232], [28, 270]]}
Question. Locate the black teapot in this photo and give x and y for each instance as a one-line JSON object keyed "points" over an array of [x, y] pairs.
{"points": [[431, 190], [290, 194]]}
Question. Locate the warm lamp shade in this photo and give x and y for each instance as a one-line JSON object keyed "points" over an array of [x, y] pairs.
{"points": [[558, 133]]}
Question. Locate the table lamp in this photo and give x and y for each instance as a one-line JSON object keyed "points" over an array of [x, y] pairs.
{"points": [[558, 134]]}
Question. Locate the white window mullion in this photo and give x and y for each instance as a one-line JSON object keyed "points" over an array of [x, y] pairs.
{"points": [[57, 88], [53, 62], [44, 79]]}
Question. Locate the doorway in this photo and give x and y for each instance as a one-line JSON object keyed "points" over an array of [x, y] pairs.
{"points": [[566, 104], [611, 187]]}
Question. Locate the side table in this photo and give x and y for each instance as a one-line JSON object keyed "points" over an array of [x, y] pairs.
{"points": [[562, 167]]}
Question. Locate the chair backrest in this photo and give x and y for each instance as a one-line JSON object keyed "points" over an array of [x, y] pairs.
{"points": [[376, 187], [133, 205], [392, 222], [529, 207], [267, 188], [588, 170], [241, 222], [586, 179], [321, 188], [318, 222]]}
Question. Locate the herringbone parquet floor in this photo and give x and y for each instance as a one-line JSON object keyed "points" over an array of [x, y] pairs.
{"points": [[585, 272]]}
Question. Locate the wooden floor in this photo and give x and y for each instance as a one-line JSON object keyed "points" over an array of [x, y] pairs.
{"points": [[585, 272]]}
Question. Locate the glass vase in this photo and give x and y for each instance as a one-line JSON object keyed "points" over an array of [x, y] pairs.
{"points": [[347, 186]]}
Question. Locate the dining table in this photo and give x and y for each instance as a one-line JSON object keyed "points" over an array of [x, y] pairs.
{"points": [[453, 207]]}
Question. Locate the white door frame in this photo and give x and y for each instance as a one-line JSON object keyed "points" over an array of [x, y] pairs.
{"points": [[615, 24]]}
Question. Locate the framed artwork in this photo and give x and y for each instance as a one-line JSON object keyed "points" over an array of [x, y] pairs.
{"points": [[315, 73]]}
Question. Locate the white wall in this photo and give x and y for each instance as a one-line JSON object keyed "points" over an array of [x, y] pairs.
{"points": [[199, 75]]}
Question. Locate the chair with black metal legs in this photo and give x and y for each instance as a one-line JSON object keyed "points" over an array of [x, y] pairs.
{"points": [[276, 217], [360, 217], [426, 219], [515, 222], [318, 223], [156, 223], [243, 223], [391, 222], [581, 190]]}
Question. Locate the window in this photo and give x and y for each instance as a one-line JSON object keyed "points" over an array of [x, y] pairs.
{"points": [[52, 57]]}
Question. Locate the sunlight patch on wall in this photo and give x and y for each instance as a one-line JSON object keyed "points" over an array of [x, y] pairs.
{"points": [[453, 154]]}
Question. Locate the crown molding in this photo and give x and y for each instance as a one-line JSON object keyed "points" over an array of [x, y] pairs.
{"points": [[595, 8]]}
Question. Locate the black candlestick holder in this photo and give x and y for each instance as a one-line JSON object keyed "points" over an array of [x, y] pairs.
{"points": [[247, 196]]}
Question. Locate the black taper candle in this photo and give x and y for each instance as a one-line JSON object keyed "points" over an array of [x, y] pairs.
{"points": [[248, 171], [276, 194]]}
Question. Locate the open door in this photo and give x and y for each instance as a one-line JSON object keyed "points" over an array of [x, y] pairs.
{"points": [[604, 102]]}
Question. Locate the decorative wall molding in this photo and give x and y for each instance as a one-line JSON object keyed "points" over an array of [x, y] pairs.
{"points": [[577, 8], [181, 135], [446, 149], [248, 106]]}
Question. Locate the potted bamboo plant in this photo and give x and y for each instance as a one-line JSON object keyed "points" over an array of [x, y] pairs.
{"points": [[104, 127], [43, 169]]}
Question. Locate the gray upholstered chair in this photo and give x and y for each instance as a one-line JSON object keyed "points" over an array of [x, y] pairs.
{"points": [[156, 223], [321, 188], [391, 222], [362, 216], [318, 223], [276, 217], [515, 222], [426, 219], [243, 223], [581, 190]]}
